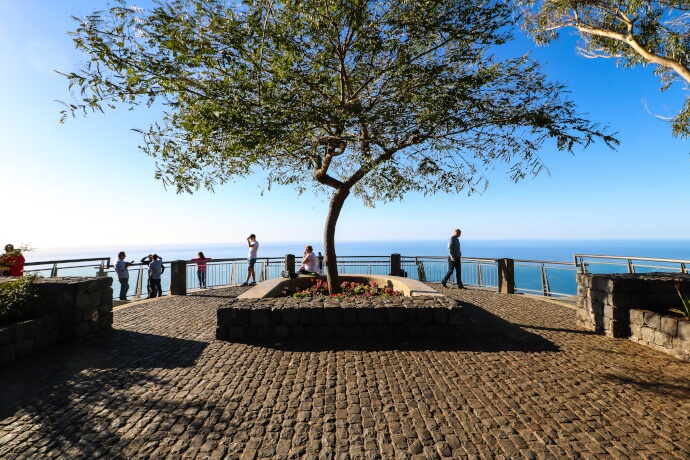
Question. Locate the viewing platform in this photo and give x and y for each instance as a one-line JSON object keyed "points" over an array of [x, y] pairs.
{"points": [[524, 381]]}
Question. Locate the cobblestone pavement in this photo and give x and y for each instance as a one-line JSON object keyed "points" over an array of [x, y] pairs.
{"points": [[524, 383]]}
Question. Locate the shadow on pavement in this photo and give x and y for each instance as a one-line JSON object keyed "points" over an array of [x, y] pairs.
{"points": [[117, 360]]}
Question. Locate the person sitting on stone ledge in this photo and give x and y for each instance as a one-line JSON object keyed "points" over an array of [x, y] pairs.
{"points": [[309, 262]]}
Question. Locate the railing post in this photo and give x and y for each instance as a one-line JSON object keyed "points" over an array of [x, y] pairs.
{"points": [[395, 264], [54, 271], [290, 263], [178, 277], [506, 276], [263, 276], [137, 286], [546, 289], [631, 268]]}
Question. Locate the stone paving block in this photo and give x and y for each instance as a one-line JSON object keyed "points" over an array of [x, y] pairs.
{"points": [[652, 320], [349, 316], [669, 325], [440, 315], [380, 315], [260, 317], [637, 317], [662, 339], [365, 315], [684, 330]]}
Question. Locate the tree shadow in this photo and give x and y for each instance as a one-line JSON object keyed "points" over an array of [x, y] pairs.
{"points": [[125, 357], [482, 331]]}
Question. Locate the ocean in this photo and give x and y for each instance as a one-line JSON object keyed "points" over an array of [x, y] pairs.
{"points": [[549, 250]]}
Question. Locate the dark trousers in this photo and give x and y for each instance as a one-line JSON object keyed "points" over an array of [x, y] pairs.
{"points": [[124, 287], [202, 278], [454, 265], [156, 290]]}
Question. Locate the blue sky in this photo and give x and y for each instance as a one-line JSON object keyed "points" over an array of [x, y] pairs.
{"points": [[86, 182]]}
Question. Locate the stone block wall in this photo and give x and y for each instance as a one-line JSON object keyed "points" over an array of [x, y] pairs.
{"points": [[663, 333], [65, 309], [401, 318], [605, 301]]}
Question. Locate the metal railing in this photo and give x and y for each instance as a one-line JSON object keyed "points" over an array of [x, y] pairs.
{"points": [[626, 264], [97, 267], [547, 278], [476, 271], [231, 272]]}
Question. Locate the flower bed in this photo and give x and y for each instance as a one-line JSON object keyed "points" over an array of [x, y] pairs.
{"points": [[319, 288]]}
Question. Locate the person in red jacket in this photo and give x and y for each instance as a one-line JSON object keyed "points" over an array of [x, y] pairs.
{"points": [[12, 262]]}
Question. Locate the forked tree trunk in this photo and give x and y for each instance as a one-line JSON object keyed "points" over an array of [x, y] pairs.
{"points": [[334, 208]]}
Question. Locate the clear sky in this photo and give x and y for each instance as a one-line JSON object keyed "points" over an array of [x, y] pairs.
{"points": [[87, 183]]}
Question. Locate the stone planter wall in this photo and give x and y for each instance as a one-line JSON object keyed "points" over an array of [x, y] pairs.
{"points": [[664, 333], [636, 306], [605, 301], [327, 318], [66, 309]]}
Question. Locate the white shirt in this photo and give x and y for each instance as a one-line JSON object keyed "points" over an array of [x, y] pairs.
{"points": [[309, 262], [253, 249]]}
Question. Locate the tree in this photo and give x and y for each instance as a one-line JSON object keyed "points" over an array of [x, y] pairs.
{"points": [[375, 98], [633, 32]]}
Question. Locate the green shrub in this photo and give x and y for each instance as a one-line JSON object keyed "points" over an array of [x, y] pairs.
{"points": [[686, 304], [14, 299]]}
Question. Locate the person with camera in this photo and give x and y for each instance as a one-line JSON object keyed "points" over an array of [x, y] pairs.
{"points": [[251, 258]]}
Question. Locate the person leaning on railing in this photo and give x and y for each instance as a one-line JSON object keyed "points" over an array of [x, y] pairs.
{"points": [[12, 262], [201, 269]]}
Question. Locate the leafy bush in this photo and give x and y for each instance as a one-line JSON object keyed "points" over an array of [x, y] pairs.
{"points": [[14, 298], [320, 289]]}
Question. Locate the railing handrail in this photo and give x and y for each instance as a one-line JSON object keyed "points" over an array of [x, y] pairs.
{"points": [[51, 262], [650, 259]]}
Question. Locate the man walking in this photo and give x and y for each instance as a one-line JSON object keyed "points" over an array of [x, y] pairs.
{"points": [[251, 258], [454, 255]]}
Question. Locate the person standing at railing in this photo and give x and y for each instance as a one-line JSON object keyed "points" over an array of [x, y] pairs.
{"points": [[253, 251], [454, 255], [123, 274], [156, 269], [146, 260], [201, 269], [12, 262], [319, 258]]}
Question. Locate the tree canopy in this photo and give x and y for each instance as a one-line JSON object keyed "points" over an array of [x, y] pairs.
{"points": [[633, 32], [375, 98]]}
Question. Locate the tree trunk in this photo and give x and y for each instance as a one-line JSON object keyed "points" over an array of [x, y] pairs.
{"points": [[334, 208]]}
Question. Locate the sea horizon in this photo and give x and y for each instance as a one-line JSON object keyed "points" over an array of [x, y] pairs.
{"points": [[551, 249]]}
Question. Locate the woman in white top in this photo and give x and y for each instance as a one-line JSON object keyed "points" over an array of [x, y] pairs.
{"points": [[309, 262]]}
